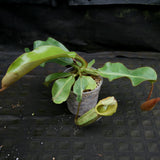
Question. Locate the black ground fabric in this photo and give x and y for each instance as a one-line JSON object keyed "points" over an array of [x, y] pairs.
{"points": [[32, 127]]}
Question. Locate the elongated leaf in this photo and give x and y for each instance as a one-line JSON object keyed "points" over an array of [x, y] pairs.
{"points": [[51, 77], [79, 86], [28, 61], [91, 83], [62, 61], [117, 70], [61, 89], [91, 63], [51, 41]]}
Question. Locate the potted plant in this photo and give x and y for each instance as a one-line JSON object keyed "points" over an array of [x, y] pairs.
{"points": [[79, 82]]}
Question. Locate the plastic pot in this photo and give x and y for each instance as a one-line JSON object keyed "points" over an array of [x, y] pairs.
{"points": [[89, 99]]}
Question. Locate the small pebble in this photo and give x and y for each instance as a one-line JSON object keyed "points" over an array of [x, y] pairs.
{"points": [[41, 142]]}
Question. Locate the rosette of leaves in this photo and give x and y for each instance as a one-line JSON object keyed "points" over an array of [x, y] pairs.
{"points": [[79, 79]]}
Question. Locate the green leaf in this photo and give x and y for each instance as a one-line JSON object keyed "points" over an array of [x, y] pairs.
{"points": [[51, 41], [91, 83], [62, 61], [118, 70], [27, 50], [91, 63], [79, 63], [79, 86], [28, 61], [39, 43], [54, 42], [83, 83], [61, 89], [51, 77]]}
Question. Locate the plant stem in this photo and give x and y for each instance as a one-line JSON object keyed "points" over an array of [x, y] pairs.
{"points": [[75, 66], [150, 92], [82, 60], [76, 117], [91, 71]]}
